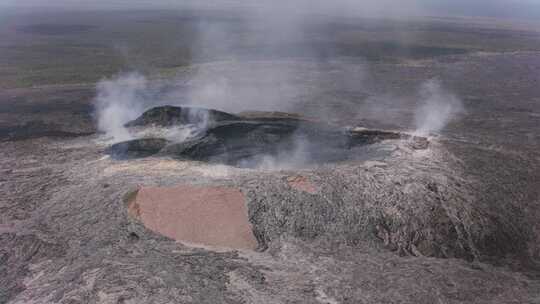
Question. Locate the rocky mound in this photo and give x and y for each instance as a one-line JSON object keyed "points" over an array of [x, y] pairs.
{"points": [[143, 147], [416, 205], [166, 116]]}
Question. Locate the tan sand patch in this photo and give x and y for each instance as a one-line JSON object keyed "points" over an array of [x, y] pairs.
{"points": [[206, 215], [149, 166]]}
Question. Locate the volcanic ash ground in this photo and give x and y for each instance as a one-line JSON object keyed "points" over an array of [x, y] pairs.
{"points": [[252, 208]]}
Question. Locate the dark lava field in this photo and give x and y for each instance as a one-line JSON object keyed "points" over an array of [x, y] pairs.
{"points": [[162, 157]]}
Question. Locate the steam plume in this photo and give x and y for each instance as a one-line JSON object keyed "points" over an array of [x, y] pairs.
{"points": [[437, 109], [118, 101]]}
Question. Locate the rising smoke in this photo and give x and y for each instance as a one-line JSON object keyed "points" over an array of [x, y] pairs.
{"points": [[238, 82], [230, 86], [119, 100], [438, 107], [124, 97]]}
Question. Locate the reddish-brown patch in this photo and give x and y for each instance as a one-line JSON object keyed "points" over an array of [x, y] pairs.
{"points": [[206, 215], [134, 210], [302, 183]]}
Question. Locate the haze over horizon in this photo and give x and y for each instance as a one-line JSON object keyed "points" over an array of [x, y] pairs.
{"points": [[517, 9]]}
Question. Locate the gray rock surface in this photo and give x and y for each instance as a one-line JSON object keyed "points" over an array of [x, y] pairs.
{"points": [[69, 238], [400, 228]]}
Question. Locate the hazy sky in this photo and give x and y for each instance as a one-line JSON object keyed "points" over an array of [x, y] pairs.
{"points": [[504, 8]]}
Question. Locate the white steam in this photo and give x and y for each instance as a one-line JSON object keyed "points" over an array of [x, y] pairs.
{"points": [[438, 108], [118, 101], [247, 85], [295, 158]]}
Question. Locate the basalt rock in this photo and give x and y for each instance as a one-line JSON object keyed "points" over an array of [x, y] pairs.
{"points": [[167, 116], [137, 148], [419, 143]]}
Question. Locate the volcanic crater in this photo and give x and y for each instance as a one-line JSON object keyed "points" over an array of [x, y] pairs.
{"points": [[255, 139], [216, 215]]}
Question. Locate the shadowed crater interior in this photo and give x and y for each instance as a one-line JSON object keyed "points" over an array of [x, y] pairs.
{"points": [[253, 138]]}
